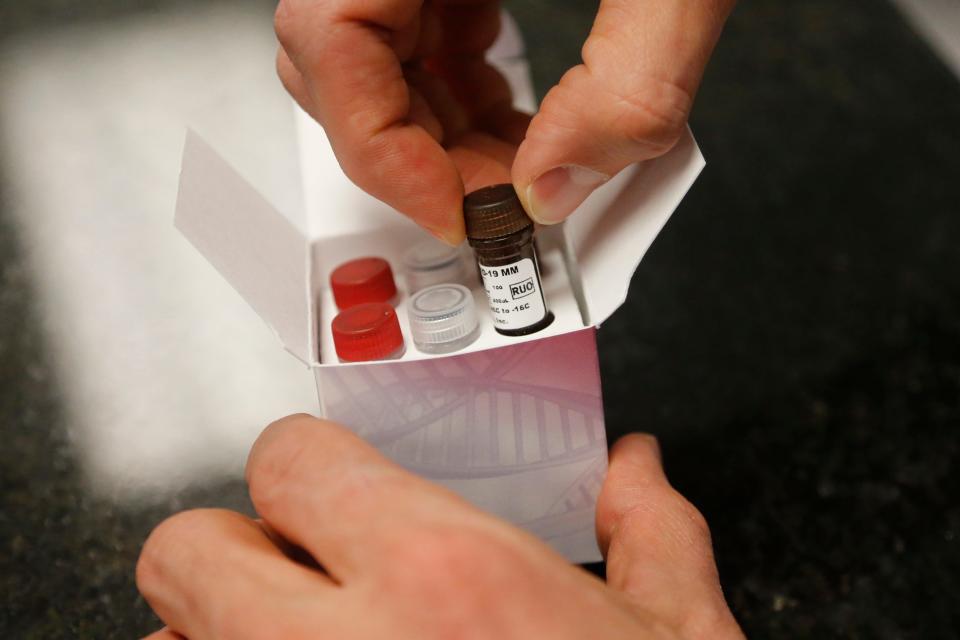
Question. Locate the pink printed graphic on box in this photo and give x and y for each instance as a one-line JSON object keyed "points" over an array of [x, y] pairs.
{"points": [[512, 423], [518, 430]]}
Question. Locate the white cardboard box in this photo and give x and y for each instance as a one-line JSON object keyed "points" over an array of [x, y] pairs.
{"points": [[515, 425]]}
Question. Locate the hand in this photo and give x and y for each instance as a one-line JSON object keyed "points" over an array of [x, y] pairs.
{"points": [[416, 116], [405, 559]]}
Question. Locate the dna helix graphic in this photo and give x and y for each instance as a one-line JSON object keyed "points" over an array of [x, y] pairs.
{"points": [[481, 415], [458, 421]]}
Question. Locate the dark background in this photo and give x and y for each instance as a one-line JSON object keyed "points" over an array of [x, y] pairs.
{"points": [[793, 338]]}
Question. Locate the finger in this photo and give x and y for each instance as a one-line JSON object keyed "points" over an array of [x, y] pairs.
{"points": [[215, 574], [453, 118], [657, 545], [293, 83], [485, 94], [505, 122], [422, 115], [469, 27], [164, 634], [344, 53], [635, 471], [626, 103], [430, 35], [324, 489], [482, 160], [405, 40]]}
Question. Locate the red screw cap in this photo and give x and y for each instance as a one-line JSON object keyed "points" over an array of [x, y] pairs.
{"points": [[367, 332], [362, 280]]}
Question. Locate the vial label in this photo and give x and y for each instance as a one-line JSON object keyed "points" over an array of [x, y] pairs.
{"points": [[516, 299]]}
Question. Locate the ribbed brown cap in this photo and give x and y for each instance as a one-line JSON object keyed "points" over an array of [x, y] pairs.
{"points": [[494, 212]]}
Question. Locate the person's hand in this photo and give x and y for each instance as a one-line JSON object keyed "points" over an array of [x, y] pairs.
{"points": [[416, 117], [405, 559]]}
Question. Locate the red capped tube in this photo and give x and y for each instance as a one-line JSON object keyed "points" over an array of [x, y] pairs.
{"points": [[361, 281], [367, 332]]}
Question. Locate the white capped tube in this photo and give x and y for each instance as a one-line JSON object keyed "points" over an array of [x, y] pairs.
{"points": [[443, 318], [431, 262]]}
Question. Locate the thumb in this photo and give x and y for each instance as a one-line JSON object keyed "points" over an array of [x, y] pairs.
{"points": [[657, 545], [628, 102]]}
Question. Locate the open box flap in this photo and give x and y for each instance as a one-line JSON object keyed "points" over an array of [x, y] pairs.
{"points": [[609, 234], [260, 253]]}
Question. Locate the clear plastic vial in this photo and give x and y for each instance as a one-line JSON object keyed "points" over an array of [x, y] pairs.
{"points": [[443, 318], [431, 262], [501, 235], [367, 332]]}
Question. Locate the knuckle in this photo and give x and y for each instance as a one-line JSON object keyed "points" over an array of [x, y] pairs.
{"points": [[359, 488], [170, 543], [562, 109], [464, 571], [281, 21], [285, 20], [649, 111], [269, 476], [654, 116], [236, 618], [451, 560], [456, 557], [635, 521], [298, 450], [696, 523], [667, 516], [644, 117], [275, 455]]}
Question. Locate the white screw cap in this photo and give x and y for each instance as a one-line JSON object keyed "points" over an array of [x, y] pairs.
{"points": [[443, 318]]}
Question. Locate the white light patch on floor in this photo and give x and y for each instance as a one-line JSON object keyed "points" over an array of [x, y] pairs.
{"points": [[938, 22], [168, 375]]}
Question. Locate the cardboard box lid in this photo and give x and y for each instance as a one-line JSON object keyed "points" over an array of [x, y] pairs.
{"points": [[259, 252], [610, 232]]}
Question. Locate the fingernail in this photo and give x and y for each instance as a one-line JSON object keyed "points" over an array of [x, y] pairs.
{"points": [[452, 239], [558, 192]]}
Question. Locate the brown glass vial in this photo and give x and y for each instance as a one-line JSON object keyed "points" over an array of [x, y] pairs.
{"points": [[501, 235]]}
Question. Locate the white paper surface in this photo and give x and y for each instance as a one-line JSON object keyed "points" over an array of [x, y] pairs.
{"points": [[165, 375], [610, 233], [250, 243]]}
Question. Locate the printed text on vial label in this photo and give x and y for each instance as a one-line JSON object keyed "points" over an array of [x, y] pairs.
{"points": [[514, 292]]}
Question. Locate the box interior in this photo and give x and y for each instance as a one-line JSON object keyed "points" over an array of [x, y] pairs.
{"points": [[328, 253]]}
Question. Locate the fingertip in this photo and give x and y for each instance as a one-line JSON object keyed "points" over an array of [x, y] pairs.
{"points": [[407, 169], [452, 237], [292, 427], [450, 229], [292, 421], [637, 447], [635, 470]]}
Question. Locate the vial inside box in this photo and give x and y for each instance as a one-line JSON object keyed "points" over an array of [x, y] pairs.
{"points": [[392, 245]]}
